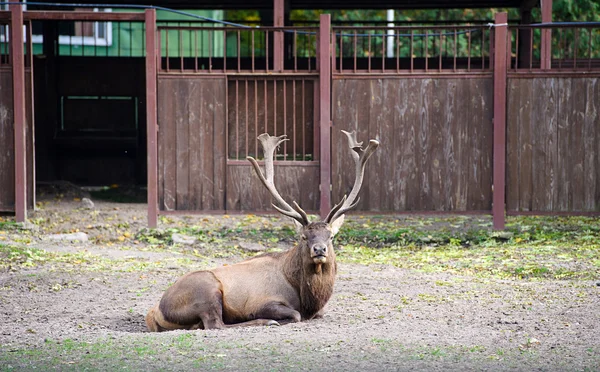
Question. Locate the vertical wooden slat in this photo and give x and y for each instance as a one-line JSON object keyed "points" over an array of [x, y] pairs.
{"points": [[18, 75], [437, 161], [513, 127], [591, 145], [563, 139], [325, 113], [151, 116], [500, 36]]}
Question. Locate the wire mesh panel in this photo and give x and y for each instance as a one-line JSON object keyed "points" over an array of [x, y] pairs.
{"points": [[274, 106], [412, 49]]}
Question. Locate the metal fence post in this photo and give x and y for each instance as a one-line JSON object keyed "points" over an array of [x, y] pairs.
{"points": [[546, 47], [325, 112], [18, 75], [151, 116], [499, 177]]}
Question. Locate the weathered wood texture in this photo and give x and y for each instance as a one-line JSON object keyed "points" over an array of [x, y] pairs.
{"points": [[276, 106], [436, 142], [298, 183], [191, 143], [553, 144], [7, 144]]}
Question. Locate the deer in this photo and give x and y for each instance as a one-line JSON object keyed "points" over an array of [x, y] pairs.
{"points": [[272, 288]]}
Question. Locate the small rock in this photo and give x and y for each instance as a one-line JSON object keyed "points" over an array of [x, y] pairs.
{"points": [[29, 226], [78, 236], [252, 247], [502, 235], [86, 203], [183, 239]]}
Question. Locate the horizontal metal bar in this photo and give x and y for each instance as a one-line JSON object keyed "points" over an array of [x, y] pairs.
{"points": [[284, 163], [35, 15], [555, 72], [234, 29], [242, 74], [416, 74]]}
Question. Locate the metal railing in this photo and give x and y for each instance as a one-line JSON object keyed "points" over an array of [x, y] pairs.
{"points": [[236, 49], [412, 49], [570, 47], [277, 106]]}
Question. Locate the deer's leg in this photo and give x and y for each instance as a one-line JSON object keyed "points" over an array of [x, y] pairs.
{"points": [[279, 312]]}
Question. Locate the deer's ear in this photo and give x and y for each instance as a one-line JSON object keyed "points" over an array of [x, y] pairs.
{"points": [[337, 224]]}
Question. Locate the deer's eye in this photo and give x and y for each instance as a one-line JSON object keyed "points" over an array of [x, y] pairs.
{"points": [[303, 237]]}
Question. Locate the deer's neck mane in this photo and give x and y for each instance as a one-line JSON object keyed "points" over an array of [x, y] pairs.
{"points": [[313, 282]]}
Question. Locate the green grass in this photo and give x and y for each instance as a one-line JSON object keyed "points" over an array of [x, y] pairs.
{"points": [[530, 248]]}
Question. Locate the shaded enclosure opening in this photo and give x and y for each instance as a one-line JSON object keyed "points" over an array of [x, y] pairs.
{"points": [[89, 94]]}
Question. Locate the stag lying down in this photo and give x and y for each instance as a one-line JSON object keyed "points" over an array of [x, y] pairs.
{"points": [[273, 288]]}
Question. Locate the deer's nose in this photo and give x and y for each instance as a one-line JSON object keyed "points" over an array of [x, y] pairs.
{"points": [[320, 249]]}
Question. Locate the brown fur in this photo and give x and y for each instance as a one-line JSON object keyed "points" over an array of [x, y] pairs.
{"points": [[271, 288]]}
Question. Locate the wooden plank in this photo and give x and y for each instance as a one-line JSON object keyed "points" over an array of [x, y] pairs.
{"points": [[183, 95], [513, 124], [544, 144], [425, 202], [574, 171], [167, 139], [402, 141], [525, 144], [437, 162], [7, 160], [372, 193], [565, 156], [475, 157], [451, 179], [198, 153], [349, 108], [411, 146], [590, 145], [540, 129], [215, 136], [552, 160], [595, 100], [245, 192], [485, 93]]}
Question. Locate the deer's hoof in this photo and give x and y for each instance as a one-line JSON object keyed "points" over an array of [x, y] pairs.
{"points": [[272, 323]]}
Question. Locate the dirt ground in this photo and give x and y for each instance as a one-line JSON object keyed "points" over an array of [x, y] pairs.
{"points": [[380, 318]]}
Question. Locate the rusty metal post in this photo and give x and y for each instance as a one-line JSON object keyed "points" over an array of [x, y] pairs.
{"points": [[325, 112], [499, 178], [151, 116], [278, 39], [546, 47], [18, 74]]}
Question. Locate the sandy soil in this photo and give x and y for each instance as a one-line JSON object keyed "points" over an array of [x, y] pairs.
{"points": [[379, 318]]}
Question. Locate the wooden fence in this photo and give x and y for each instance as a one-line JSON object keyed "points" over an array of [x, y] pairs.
{"points": [[428, 94], [453, 139]]}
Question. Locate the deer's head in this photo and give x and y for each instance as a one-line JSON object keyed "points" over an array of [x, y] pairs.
{"points": [[316, 235]]}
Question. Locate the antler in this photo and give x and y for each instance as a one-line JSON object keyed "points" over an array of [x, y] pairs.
{"points": [[360, 157], [269, 144]]}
